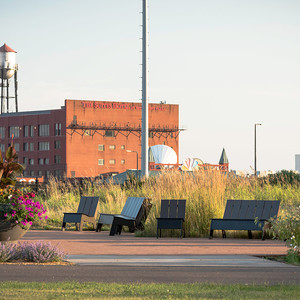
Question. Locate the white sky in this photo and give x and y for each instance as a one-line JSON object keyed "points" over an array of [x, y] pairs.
{"points": [[228, 64]]}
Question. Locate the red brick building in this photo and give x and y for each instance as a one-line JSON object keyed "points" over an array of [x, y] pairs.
{"points": [[86, 138]]}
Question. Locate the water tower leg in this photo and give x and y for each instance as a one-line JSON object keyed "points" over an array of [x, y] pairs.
{"points": [[16, 91], [7, 96], [2, 88]]}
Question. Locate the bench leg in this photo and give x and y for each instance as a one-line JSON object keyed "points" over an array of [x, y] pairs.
{"points": [[224, 234], [211, 233], [119, 229], [99, 226], [63, 227], [263, 235], [249, 234], [113, 229], [80, 226]]}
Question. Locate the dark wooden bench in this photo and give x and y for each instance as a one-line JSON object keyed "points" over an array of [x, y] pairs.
{"points": [[133, 215], [172, 216], [86, 213], [241, 215]]}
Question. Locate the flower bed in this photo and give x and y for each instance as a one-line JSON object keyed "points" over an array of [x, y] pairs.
{"points": [[20, 208], [37, 252]]}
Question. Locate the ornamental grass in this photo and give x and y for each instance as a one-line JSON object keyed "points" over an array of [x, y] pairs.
{"points": [[206, 193]]}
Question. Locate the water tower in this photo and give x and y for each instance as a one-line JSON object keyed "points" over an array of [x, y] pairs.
{"points": [[8, 70]]}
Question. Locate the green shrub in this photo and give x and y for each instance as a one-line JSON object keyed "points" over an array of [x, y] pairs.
{"points": [[287, 227]]}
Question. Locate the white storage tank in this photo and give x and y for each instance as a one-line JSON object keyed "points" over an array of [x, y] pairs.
{"points": [[7, 62]]}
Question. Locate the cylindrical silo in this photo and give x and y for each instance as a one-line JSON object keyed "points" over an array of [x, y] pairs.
{"points": [[8, 64]]}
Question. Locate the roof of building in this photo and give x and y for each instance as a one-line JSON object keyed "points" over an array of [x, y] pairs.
{"points": [[223, 158], [26, 113], [5, 48]]}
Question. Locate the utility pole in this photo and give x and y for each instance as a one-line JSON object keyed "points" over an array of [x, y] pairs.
{"points": [[145, 129]]}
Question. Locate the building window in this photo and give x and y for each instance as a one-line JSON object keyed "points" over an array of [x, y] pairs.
{"points": [[31, 161], [44, 146], [100, 162], [40, 173], [44, 130], [17, 147], [57, 144], [26, 131], [57, 173], [112, 147], [112, 161], [122, 161], [25, 146], [31, 173], [14, 131], [31, 130], [2, 147], [31, 146], [46, 161], [25, 160], [109, 133], [57, 131], [2, 132], [151, 135], [41, 161], [47, 174], [100, 147], [25, 173], [57, 159], [123, 147]]}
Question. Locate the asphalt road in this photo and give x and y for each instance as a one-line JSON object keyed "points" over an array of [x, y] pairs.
{"points": [[149, 274]]}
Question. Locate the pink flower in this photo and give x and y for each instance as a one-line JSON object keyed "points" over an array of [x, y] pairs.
{"points": [[5, 215], [17, 221], [46, 217]]}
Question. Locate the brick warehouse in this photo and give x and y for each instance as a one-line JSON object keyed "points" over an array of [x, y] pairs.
{"points": [[86, 138]]}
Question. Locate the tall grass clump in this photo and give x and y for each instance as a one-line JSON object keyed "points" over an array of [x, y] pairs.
{"points": [[206, 193]]}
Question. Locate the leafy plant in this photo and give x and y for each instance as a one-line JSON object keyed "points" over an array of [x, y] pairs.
{"points": [[9, 167], [20, 208], [287, 228], [283, 177]]}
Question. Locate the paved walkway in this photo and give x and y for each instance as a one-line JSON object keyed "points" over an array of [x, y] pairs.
{"points": [[100, 257]]}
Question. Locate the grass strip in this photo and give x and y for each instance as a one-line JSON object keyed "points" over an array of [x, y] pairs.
{"points": [[94, 290]]}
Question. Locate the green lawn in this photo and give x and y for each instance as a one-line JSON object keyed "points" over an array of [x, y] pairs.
{"points": [[75, 290]]}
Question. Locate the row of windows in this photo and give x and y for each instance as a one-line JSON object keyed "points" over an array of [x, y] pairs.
{"points": [[110, 147], [47, 173], [28, 130], [101, 162], [42, 146], [42, 161]]}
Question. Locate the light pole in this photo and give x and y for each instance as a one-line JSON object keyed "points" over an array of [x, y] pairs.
{"points": [[137, 162], [256, 124]]}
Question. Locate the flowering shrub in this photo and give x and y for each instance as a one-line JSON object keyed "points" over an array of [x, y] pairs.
{"points": [[20, 208], [287, 228], [8, 252], [39, 252]]}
